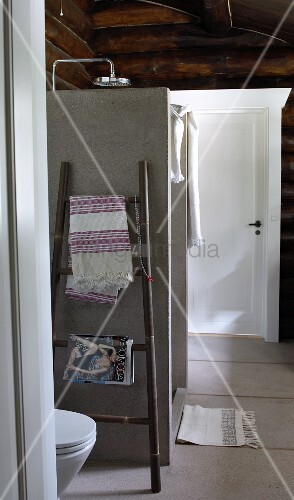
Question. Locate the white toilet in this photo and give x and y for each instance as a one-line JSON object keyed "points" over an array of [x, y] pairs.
{"points": [[75, 437]]}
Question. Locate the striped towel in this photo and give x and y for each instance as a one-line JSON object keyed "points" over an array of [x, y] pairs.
{"points": [[100, 249]]}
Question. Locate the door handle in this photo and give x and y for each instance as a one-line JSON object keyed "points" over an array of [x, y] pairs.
{"points": [[256, 223]]}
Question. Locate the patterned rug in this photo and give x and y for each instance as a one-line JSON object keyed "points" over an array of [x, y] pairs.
{"points": [[218, 427]]}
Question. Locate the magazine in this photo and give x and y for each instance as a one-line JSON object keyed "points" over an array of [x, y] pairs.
{"points": [[100, 360]]}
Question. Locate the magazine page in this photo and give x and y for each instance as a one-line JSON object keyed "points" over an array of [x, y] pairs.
{"points": [[99, 360]]}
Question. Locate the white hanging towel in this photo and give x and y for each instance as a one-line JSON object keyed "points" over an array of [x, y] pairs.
{"points": [[194, 227], [177, 124]]}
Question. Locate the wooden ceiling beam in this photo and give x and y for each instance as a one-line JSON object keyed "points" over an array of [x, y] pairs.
{"points": [[168, 37], [85, 5], [246, 14], [265, 17], [73, 17], [74, 74], [215, 14], [288, 140], [213, 82], [191, 7], [60, 84], [288, 114], [288, 168], [205, 63], [65, 39], [216, 17], [132, 13]]}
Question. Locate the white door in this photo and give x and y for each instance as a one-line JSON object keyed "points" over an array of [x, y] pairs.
{"points": [[226, 274]]}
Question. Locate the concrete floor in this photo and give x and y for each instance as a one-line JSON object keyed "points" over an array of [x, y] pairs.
{"points": [[223, 372]]}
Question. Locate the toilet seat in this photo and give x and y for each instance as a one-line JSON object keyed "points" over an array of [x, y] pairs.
{"points": [[77, 447], [73, 431]]}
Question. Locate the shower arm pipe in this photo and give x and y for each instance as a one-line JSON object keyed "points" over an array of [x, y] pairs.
{"points": [[98, 59]]}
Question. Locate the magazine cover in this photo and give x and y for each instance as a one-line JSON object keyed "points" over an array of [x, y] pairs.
{"points": [[100, 360]]}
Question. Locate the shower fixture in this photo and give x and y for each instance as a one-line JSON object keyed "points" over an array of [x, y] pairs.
{"points": [[101, 81]]}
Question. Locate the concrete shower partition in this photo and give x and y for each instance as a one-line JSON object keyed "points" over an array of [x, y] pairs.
{"points": [[104, 133]]}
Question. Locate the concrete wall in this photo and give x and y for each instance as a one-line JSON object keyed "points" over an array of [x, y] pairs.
{"points": [[104, 133], [178, 276]]}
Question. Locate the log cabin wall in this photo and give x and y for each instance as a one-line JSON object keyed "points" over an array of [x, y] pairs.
{"points": [[287, 222], [67, 37], [188, 44]]}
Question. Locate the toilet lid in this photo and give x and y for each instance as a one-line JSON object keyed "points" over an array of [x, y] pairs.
{"points": [[72, 428], [68, 450]]}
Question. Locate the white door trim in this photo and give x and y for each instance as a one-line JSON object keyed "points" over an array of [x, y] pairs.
{"points": [[8, 442], [26, 389], [271, 101]]}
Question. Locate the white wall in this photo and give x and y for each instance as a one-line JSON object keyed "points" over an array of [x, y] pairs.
{"points": [[29, 255]]}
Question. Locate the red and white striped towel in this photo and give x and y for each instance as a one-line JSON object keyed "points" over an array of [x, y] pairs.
{"points": [[100, 248]]}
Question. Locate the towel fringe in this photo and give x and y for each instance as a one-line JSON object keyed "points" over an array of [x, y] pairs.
{"points": [[249, 428], [196, 242], [97, 282]]}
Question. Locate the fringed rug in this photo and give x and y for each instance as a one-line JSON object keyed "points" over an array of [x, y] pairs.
{"points": [[218, 427]]}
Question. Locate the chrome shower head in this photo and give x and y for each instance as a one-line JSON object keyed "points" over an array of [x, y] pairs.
{"points": [[111, 81], [102, 81]]}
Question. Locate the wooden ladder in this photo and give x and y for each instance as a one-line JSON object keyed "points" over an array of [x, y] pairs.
{"points": [[149, 346]]}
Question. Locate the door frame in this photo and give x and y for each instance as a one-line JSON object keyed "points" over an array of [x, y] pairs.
{"points": [[27, 430], [271, 102]]}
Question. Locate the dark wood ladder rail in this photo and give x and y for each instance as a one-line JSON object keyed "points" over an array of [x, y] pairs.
{"points": [[149, 345]]}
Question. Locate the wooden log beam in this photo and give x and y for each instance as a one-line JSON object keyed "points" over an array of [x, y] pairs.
{"points": [[287, 192], [287, 241], [288, 139], [286, 327], [287, 289], [286, 265], [264, 16], [217, 82], [85, 5], [60, 84], [288, 115], [203, 63], [109, 14], [169, 37], [287, 218], [193, 8], [73, 17], [216, 16], [75, 74], [287, 311], [65, 39], [288, 169]]}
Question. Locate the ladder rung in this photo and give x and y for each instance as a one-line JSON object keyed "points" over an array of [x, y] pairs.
{"points": [[67, 271], [139, 347], [116, 419], [132, 199], [63, 343], [129, 199], [60, 343]]}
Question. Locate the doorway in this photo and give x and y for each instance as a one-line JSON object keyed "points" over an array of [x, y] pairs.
{"points": [[226, 273], [266, 102]]}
